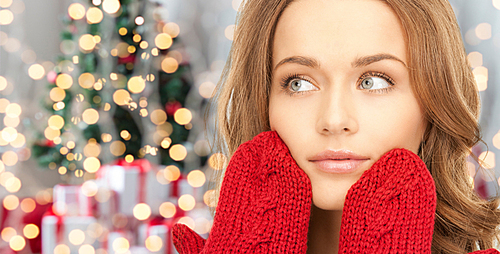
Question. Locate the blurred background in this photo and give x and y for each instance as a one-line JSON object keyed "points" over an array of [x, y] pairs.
{"points": [[102, 142]]}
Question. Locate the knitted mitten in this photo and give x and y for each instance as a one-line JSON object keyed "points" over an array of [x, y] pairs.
{"points": [[264, 204], [265, 201], [390, 209]]}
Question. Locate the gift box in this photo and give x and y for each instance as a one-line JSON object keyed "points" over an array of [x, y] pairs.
{"points": [[156, 235], [68, 233], [69, 200], [131, 184], [121, 241]]}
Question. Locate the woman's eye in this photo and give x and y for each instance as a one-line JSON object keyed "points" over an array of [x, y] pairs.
{"points": [[374, 83], [299, 85]]}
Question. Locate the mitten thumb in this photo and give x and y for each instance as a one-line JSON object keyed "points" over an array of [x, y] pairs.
{"points": [[186, 241]]}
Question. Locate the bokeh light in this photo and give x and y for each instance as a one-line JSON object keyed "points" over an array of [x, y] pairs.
{"points": [[6, 17], [13, 110], [8, 233], [142, 211], [56, 122], [17, 243], [90, 116], [76, 11], [10, 202], [28, 205], [89, 188], [186, 202], [481, 77], [196, 178], [10, 158], [136, 84], [178, 152], [483, 31], [158, 116], [171, 29], [206, 89], [76, 237], [91, 164], [167, 210], [183, 116], [117, 148], [87, 42], [154, 243], [94, 15], [210, 198], [64, 81], [121, 97], [31, 231], [163, 41], [488, 159], [217, 161], [86, 80], [496, 4], [229, 32], [169, 65], [57, 94], [5, 3], [3, 83], [172, 173], [86, 249], [13, 185], [120, 244], [111, 6], [36, 71], [62, 249]]}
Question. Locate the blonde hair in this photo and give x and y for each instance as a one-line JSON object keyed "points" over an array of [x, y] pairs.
{"points": [[438, 69]]}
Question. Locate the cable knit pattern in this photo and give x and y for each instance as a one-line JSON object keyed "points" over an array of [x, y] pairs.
{"points": [[265, 204], [391, 208]]}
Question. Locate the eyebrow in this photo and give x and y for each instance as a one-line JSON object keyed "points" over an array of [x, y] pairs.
{"points": [[359, 62]]}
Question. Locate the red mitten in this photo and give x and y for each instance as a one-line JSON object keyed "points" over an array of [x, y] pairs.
{"points": [[265, 201], [391, 208], [264, 204]]}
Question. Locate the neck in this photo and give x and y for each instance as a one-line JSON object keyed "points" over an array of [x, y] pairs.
{"points": [[324, 231]]}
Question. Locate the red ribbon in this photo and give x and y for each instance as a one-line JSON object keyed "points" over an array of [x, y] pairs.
{"points": [[59, 224], [160, 221], [144, 167]]}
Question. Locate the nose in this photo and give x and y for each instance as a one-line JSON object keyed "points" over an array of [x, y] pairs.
{"points": [[337, 114]]}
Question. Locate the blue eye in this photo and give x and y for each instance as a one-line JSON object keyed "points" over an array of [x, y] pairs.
{"points": [[374, 83], [300, 85]]}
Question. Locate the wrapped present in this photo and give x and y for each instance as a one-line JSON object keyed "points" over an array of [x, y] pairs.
{"points": [[118, 242], [69, 200], [183, 188], [62, 233], [156, 236], [131, 183]]}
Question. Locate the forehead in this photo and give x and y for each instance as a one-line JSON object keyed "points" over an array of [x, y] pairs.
{"points": [[334, 31]]}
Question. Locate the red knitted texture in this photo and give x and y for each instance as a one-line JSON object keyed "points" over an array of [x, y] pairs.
{"points": [[265, 202], [390, 209], [264, 205]]}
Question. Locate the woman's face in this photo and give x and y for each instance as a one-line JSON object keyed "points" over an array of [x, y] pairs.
{"points": [[340, 82]]}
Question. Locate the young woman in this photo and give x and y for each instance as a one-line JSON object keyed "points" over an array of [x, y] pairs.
{"points": [[356, 117]]}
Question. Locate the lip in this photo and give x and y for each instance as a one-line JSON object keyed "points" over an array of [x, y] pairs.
{"points": [[338, 161]]}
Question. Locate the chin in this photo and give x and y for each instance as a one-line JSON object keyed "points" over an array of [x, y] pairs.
{"points": [[335, 204]]}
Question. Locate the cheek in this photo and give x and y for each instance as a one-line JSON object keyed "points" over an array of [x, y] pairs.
{"points": [[291, 120], [400, 125]]}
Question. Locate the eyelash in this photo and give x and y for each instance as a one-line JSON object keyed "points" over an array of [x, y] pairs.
{"points": [[285, 82]]}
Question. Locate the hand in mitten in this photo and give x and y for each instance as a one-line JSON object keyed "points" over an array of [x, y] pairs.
{"points": [[264, 204], [391, 208]]}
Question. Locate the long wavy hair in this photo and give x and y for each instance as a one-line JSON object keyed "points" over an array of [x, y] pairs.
{"points": [[441, 79]]}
